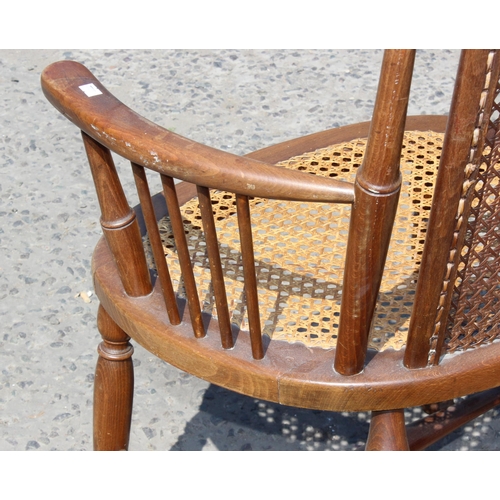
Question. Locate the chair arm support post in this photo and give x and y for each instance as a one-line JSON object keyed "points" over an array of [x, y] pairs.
{"points": [[366, 254], [376, 198], [118, 221]]}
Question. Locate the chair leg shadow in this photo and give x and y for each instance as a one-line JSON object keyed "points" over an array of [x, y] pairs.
{"points": [[230, 421]]}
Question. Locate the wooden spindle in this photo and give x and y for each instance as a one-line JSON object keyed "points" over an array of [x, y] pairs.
{"points": [[377, 187], [118, 221], [207, 218], [154, 237], [252, 299], [175, 215]]}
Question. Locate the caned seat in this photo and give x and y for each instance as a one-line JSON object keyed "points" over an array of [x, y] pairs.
{"points": [[300, 249], [353, 269]]}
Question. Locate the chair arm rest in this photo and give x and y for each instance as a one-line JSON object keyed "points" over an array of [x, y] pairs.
{"points": [[103, 117]]}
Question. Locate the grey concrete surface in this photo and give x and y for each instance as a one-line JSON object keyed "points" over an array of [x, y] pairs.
{"points": [[235, 100]]}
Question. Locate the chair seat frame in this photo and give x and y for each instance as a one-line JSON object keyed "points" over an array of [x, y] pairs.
{"points": [[290, 374]]}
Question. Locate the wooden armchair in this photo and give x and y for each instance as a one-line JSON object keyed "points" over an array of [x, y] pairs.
{"points": [[354, 269]]}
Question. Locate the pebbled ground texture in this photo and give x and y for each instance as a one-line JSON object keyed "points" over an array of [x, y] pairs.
{"points": [[236, 100]]}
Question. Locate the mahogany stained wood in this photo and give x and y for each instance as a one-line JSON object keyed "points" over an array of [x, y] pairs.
{"points": [[446, 230], [318, 140], [118, 220], [376, 189], [290, 374], [117, 127], [431, 429], [387, 432], [184, 257], [215, 267], [156, 245], [247, 252], [113, 386]]}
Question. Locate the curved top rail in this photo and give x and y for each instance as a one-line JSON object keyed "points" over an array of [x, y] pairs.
{"points": [[99, 114]]}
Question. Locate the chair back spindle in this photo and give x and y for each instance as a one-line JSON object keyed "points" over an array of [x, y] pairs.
{"points": [[144, 193], [247, 253], [207, 218], [183, 254]]}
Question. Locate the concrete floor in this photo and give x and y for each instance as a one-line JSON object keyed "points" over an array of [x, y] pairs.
{"points": [[235, 100]]}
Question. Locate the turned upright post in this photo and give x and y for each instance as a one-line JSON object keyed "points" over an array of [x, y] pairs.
{"points": [[376, 194], [118, 221], [113, 386], [114, 376]]}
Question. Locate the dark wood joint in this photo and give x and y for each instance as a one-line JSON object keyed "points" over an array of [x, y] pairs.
{"points": [[113, 386], [115, 351], [120, 223]]}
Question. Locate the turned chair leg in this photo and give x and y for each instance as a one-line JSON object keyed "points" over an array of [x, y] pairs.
{"points": [[387, 431], [113, 386]]}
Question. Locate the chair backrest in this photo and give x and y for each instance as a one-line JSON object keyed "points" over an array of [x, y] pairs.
{"points": [[455, 304], [107, 124]]}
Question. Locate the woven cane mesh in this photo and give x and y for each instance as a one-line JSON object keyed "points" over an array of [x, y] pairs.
{"points": [[475, 310], [300, 250]]}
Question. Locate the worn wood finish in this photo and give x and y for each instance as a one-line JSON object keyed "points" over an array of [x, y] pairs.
{"points": [[377, 187], [387, 432], [118, 220], [156, 245], [183, 253], [113, 386], [207, 217], [123, 131], [300, 145], [282, 151], [252, 299], [290, 374], [446, 230]]}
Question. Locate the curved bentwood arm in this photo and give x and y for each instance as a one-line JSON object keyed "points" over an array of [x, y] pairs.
{"points": [[108, 125], [78, 95]]}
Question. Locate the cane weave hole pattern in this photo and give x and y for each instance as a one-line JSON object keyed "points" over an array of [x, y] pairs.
{"points": [[475, 311], [300, 250]]}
